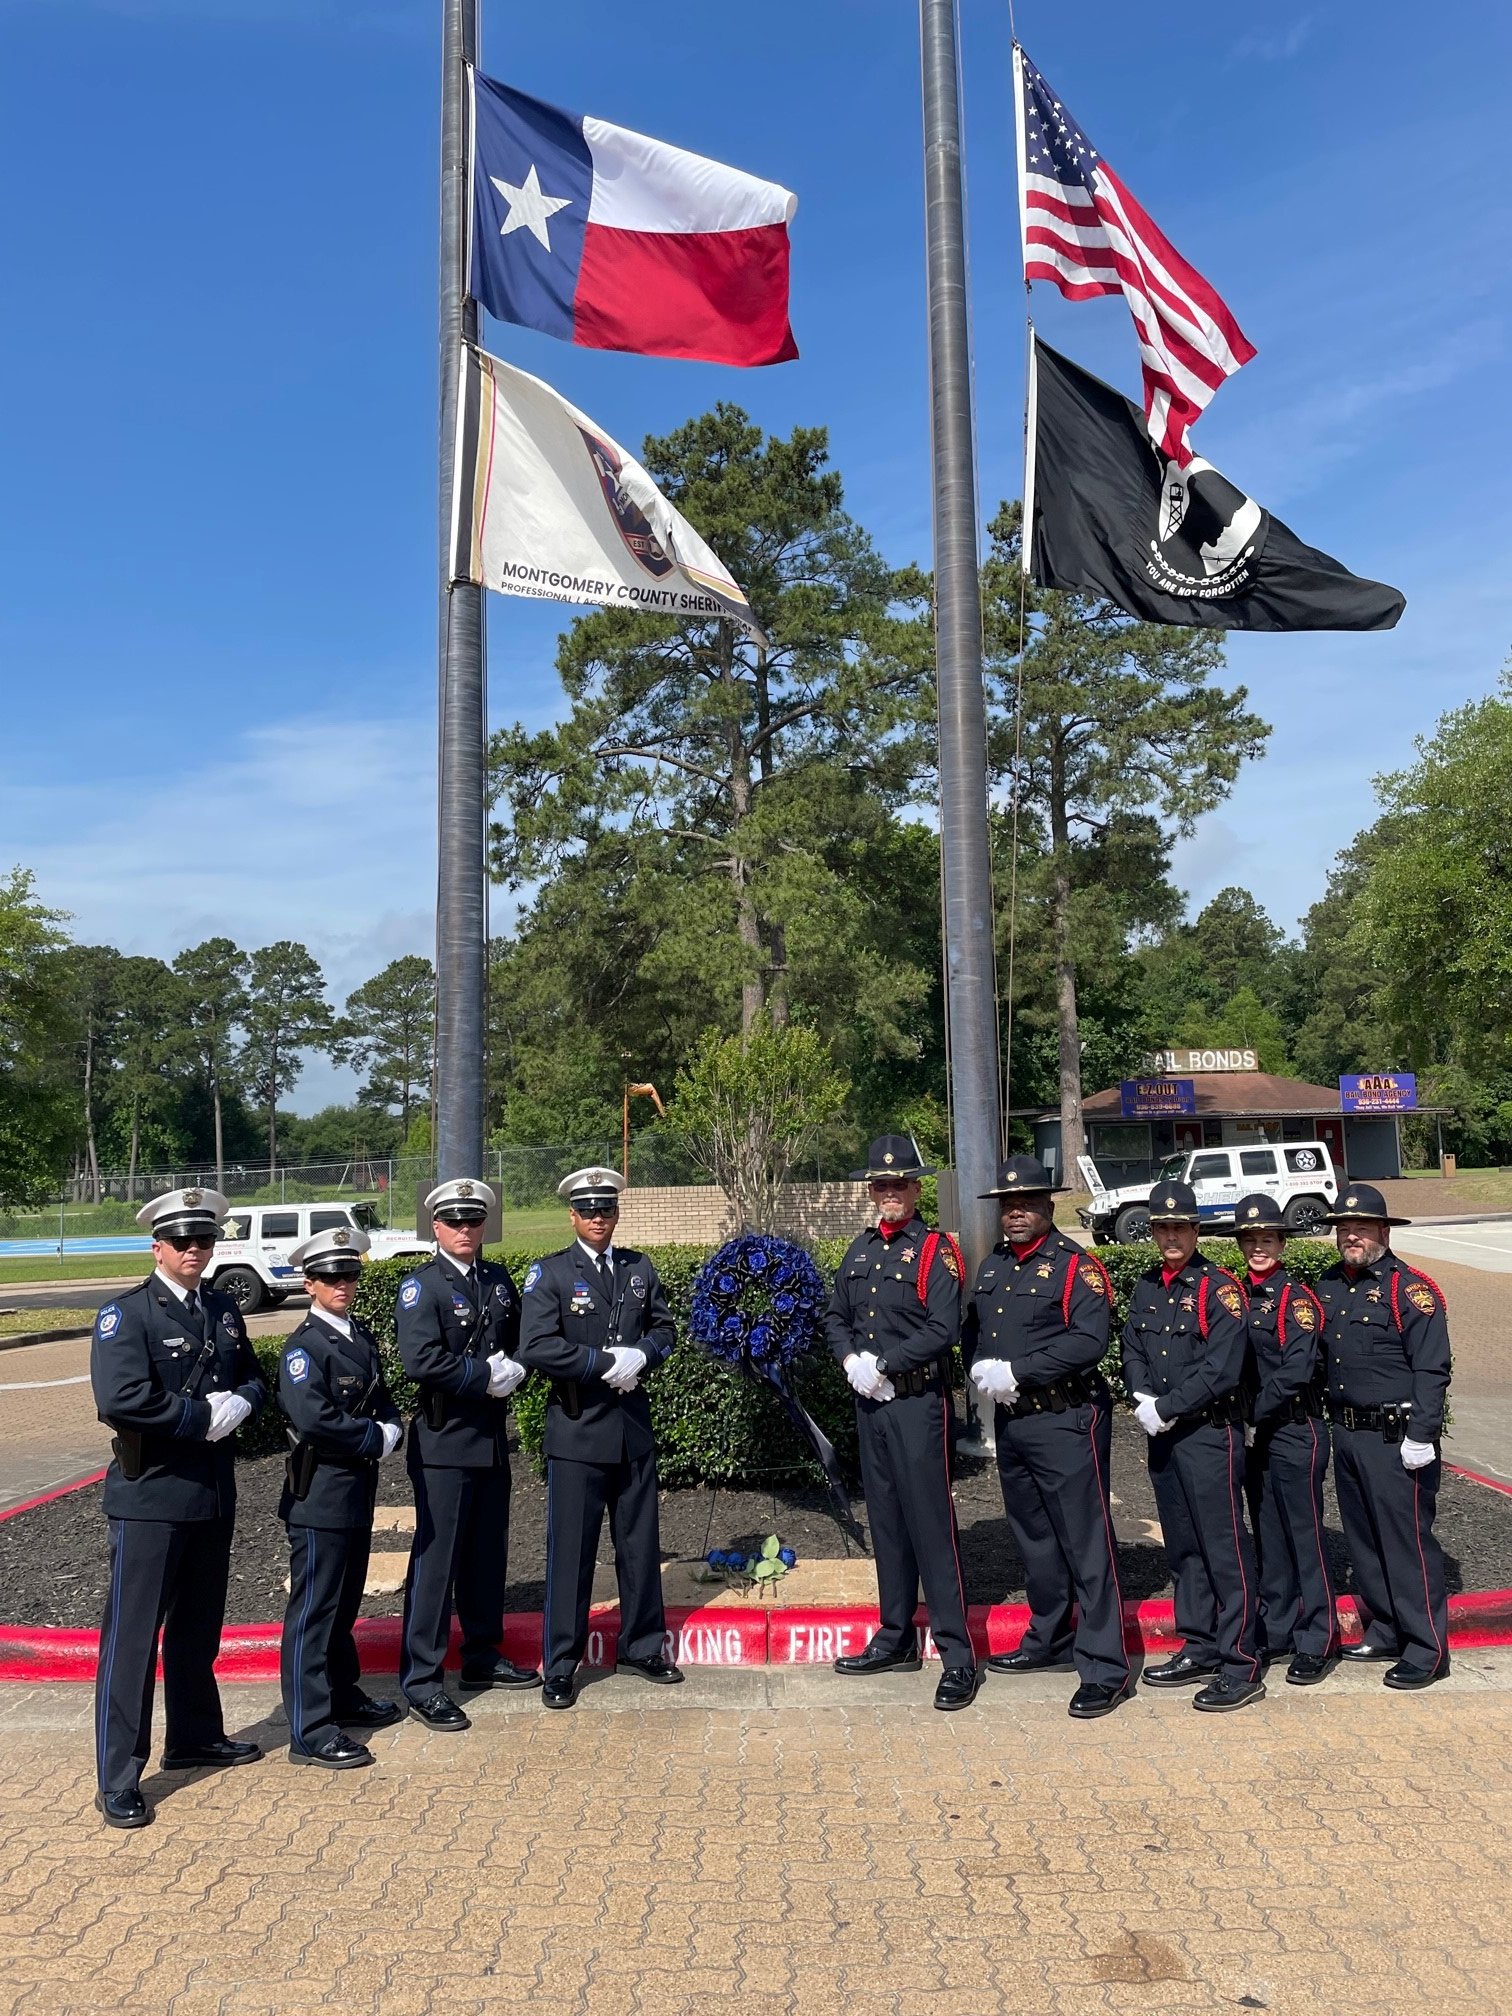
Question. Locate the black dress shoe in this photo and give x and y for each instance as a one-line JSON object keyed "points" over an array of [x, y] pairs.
{"points": [[1027, 1662], [123, 1809], [1405, 1677], [224, 1751], [874, 1660], [1308, 1668], [370, 1714], [1182, 1671], [560, 1692], [502, 1673], [958, 1687], [1094, 1698], [1364, 1652], [439, 1711], [336, 1753], [662, 1671], [1220, 1695]]}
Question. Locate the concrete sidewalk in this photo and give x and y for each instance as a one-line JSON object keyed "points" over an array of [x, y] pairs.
{"points": [[788, 1842]]}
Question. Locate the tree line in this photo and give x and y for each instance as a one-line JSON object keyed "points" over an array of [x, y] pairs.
{"points": [[710, 839]]}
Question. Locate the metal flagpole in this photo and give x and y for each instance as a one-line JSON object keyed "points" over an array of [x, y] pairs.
{"points": [[971, 1004], [461, 815]]}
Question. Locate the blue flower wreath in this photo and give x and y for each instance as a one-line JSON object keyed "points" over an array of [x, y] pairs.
{"points": [[758, 1303]]}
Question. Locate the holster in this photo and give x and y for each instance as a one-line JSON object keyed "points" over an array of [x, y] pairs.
{"points": [[435, 1406], [570, 1393], [1394, 1423], [300, 1465], [129, 1447]]}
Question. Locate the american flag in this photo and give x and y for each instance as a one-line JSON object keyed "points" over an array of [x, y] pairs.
{"points": [[1085, 234]]}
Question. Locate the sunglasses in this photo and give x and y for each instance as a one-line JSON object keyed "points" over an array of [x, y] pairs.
{"points": [[596, 1210], [182, 1241], [891, 1183]]}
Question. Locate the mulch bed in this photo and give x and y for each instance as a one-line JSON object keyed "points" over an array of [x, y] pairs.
{"points": [[52, 1559]]}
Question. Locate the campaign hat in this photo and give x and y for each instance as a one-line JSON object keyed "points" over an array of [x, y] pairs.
{"points": [[1021, 1176], [1258, 1213], [1362, 1200], [1174, 1204], [891, 1157]]}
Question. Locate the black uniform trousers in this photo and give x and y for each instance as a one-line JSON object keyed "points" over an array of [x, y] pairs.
{"points": [[1054, 1472], [577, 1496], [461, 1554], [1198, 1474], [1287, 1466], [1387, 1513], [318, 1662], [167, 1575], [905, 1473]]}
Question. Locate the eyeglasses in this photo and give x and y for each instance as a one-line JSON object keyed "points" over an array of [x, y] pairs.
{"points": [[890, 1183], [596, 1210], [182, 1241]]}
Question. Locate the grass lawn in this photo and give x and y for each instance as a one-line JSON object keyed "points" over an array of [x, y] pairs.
{"points": [[1490, 1189], [17, 1322], [88, 1267]]}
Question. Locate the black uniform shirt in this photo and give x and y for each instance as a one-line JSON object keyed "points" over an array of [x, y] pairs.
{"points": [[153, 1368], [875, 1306], [331, 1388], [1386, 1339], [447, 1326], [1165, 1351], [571, 1319], [1047, 1313], [1285, 1336]]}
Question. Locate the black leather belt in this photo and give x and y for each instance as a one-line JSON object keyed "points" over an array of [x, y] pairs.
{"points": [[1227, 1411], [918, 1379], [1302, 1407], [1074, 1390], [1390, 1421]]}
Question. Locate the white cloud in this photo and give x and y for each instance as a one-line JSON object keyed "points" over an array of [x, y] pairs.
{"points": [[1275, 48]]}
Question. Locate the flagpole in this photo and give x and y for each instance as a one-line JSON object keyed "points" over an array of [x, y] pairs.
{"points": [[461, 867], [971, 989]]}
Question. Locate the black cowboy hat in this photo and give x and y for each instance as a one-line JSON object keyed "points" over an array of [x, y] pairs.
{"points": [[891, 1157]]}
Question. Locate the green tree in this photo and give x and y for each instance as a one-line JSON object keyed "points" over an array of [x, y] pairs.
{"points": [[1103, 716], [748, 1107], [286, 1014], [389, 1031], [37, 1115], [149, 1017], [212, 997], [91, 975]]}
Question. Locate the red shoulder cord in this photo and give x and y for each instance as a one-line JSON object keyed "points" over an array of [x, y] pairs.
{"points": [[1071, 1272], [927, 1253]]}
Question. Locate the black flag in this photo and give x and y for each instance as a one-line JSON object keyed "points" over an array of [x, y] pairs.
{"points": [[1110, 516]]}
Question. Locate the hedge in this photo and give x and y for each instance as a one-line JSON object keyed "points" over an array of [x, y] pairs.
{"points": [[712, 1425]]}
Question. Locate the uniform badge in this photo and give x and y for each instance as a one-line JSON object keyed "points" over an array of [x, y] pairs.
{"points": [[1044, 1270], [905, 1256], [409, 1293], [952, 1265], [638, 1287], [233, 1325], [297, 1365], [501, 1292], [1229, 1296], [1189, 1301], [1303, 1316], [108, 1321], [1372, 1294], [532, 1277], [1421, 1297]]}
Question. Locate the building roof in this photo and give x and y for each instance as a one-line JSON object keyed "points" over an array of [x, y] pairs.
{"points": [[1240, 1095]]}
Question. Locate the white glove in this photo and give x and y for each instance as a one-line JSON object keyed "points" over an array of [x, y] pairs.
{"points": [[1249, 1434], [629, 1363], [504, 1374], [861, 1370], [1416, 1454], [392, 1434], [1147, 1415], [227, 1413], [993, 1379]]}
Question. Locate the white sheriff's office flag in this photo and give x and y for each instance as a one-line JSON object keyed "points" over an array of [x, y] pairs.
{"points": [[546, 504]]}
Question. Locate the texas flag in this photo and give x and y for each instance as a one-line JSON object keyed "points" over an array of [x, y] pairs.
{"points": [[619, 242]]}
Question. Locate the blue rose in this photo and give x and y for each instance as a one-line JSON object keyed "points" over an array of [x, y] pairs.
{"points": [[787, 1557], [784, 1305], [758, 1259], [715, 1557]]}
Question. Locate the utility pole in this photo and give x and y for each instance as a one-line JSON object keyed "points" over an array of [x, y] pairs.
{"points": [[461, 862], [971, 981]]}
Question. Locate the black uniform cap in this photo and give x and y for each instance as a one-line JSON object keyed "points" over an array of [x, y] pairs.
{"points": [[891, 1158], [1021, 1176], [1258, 1213], [1174, 1204], [1362, 1200]]}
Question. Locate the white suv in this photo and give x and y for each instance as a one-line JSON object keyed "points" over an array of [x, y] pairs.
{"points": [[1298, 1174], [251, 1258]]}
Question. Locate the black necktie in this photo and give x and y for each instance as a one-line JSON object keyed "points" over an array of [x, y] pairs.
{"points": [[606, 1274], [192, 1307]]}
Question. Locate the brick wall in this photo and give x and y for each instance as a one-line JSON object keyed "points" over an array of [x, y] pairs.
{"points": [[701, 1215]]}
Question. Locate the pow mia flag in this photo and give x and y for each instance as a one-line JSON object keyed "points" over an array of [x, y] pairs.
{"points": [[1108, 515]]}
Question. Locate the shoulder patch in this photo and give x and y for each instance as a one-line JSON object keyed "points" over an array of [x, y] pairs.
{"points": [[531, 1278], [948, 1256], [297, 1365], [108, 1321], [409, 1292], [1421, 1297], [1303, 1314], [1230, 1297]]}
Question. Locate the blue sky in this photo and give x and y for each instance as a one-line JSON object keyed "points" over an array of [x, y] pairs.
{"points": [[217, 549]]}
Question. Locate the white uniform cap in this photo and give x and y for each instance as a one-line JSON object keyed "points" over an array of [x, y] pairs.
{"points": [[319, 1253], [466, 1190], [592, 1182], [184, 1211]]}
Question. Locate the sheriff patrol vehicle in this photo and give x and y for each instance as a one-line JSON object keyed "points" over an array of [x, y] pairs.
{"points": [[1298, 1174], [251, 1258]]}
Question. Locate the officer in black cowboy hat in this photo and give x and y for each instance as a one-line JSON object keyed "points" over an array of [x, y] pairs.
{"points": [[344, 1424], [1289, 1449], [1386, 1345], [1184, 1348], [894, 1318], [1035, 1337]]}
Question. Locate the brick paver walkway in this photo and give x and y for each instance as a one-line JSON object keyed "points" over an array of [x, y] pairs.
{"points": [[782, 1842]]}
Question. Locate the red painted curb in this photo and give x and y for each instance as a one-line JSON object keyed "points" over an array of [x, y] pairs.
{"points": [[47, 1497], [1475, 1477]]}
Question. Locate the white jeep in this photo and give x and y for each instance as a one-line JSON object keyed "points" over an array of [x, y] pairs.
{"points": [[1298, 1174], [251, 1258]]}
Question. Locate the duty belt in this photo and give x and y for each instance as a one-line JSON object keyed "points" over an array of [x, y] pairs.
{"points": [[1074, 1390], [919, 1378], [1302, 1407], [1227, 1411], [1391, 1421]]}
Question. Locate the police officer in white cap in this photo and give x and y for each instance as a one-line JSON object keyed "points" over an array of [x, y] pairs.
{"points": [[458, 1326], [343, 1424], [596, 1321], [174, 1377]]}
